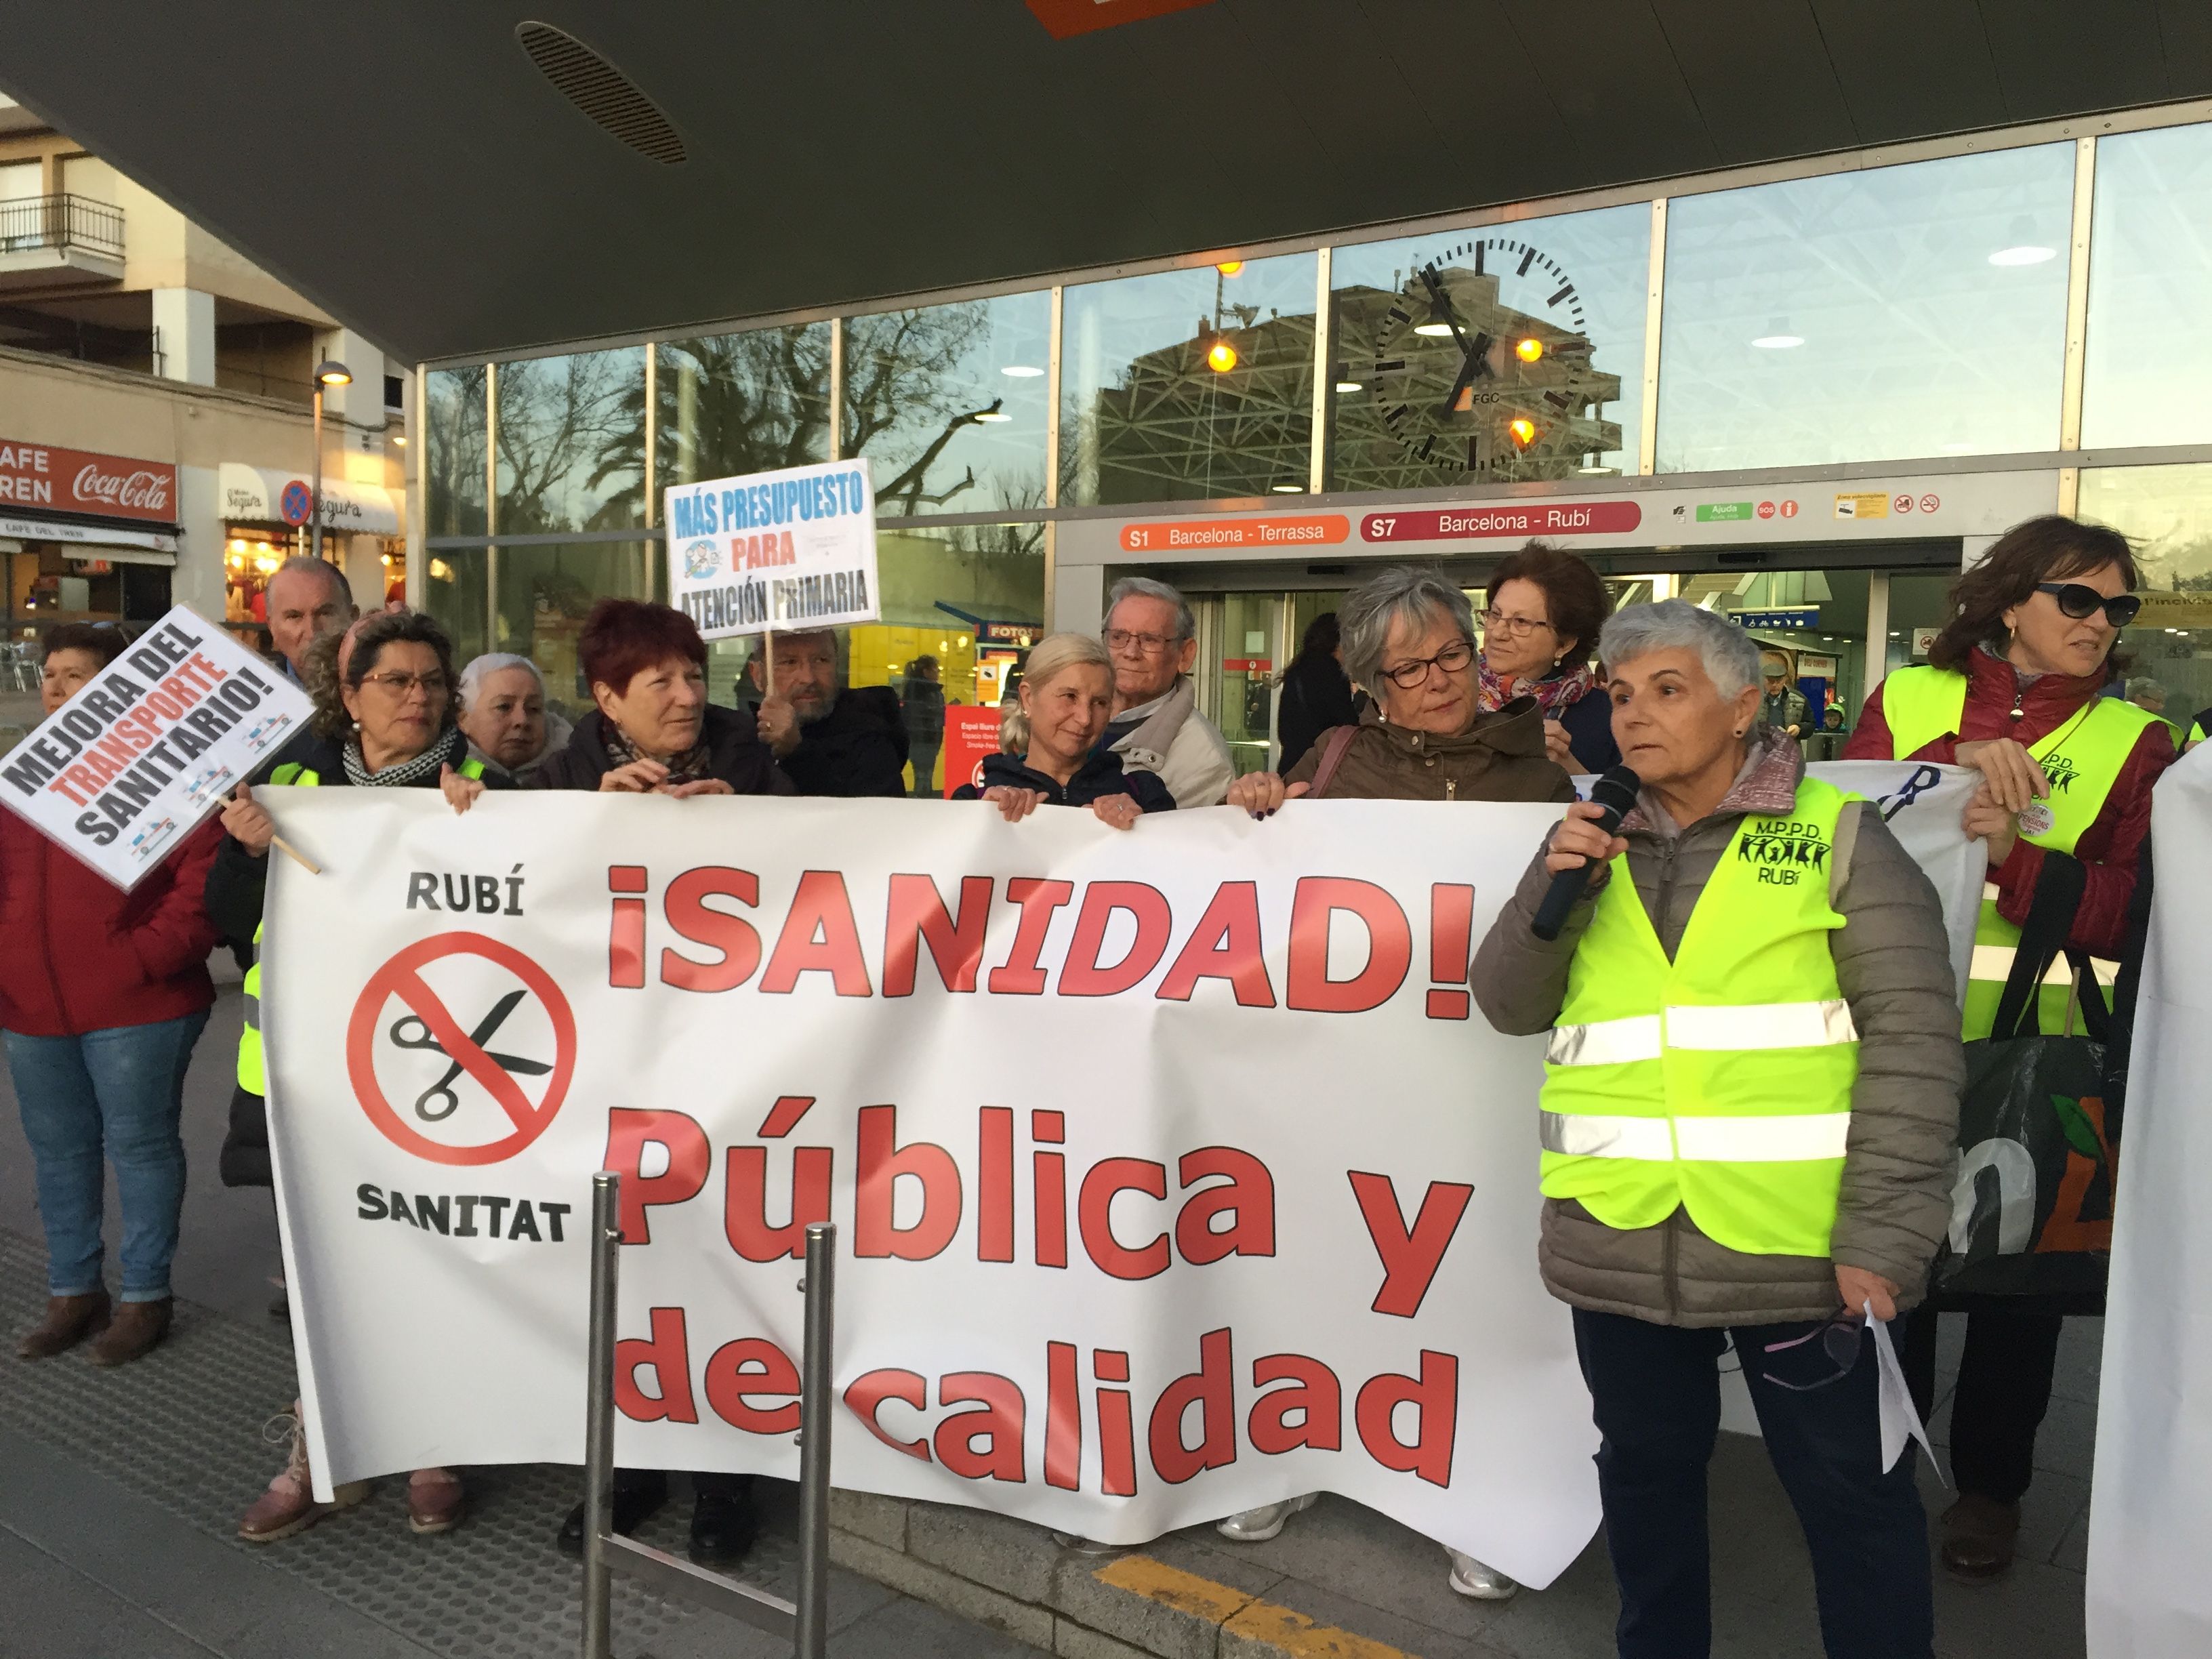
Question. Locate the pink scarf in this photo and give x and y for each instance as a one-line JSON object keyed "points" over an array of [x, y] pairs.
{"points": [[1554, 692]]}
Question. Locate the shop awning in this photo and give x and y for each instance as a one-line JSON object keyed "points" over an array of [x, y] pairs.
{"points": [[257, 495], [88, 541]]}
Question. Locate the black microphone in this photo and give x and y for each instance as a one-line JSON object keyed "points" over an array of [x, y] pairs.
{"points": [[1615, 791]]}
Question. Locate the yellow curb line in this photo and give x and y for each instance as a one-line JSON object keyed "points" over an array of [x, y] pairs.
{"points": [[1239, 1615]]}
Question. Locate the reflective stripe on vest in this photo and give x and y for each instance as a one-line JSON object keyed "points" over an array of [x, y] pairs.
{"points": [[252, 1075], [2082, 755], [1664, 1089]]}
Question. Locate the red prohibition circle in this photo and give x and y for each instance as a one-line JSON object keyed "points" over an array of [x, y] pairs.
{"points": [[401, 977]]}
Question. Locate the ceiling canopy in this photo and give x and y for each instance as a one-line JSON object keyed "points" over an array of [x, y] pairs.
{"points": [[471, 178]]}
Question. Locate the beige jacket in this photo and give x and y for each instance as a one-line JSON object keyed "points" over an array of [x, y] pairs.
{"points": [[1893, 965]]}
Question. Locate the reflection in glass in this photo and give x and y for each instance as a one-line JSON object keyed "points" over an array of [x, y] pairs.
{"points": [[733, 403], [2167, 510], [544, 593], [1818, 617], [1248, 653], [2150, 288], [569, 444], [1188, 385], [1490, 353], [1868, 315], [454, 452], [948, 402]]}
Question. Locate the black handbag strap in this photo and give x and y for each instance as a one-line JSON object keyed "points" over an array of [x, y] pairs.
{"points": [[2058, 889], [2096, 1016]]}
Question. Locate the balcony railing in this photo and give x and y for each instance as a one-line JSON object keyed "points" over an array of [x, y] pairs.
{"points": [[61, 222]]}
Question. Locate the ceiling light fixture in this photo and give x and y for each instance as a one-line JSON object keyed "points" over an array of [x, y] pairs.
{"points": [[1287, 489], [1350, 385], [1433, 331], [1221, 358], [1021, 371], [1777, 336], [994, 416], [1529, 351], [1230, 267], [2021, 247]]}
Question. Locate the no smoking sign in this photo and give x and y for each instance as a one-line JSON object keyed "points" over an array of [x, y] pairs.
{"points": [[461, 1050]]}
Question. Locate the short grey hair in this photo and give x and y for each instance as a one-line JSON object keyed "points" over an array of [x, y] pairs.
{"points": [[306, 564], [2143, 686], [1731, 656], [1144, 587], [480, 669], [1402, 593]]}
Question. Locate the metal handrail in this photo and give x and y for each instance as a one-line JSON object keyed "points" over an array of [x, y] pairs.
{"points": [[806, 1622], [61, 221]]}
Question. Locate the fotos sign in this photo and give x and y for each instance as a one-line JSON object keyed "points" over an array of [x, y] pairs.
{"points": [[775, 551], [149, 746]]}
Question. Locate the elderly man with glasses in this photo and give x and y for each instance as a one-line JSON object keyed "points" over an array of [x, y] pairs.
{"points": [[1157, 727]]}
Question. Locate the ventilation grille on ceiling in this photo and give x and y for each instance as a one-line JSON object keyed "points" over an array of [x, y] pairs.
{"points": [[603, 92]]}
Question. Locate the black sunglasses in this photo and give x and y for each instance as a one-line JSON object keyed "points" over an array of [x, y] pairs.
{"points": [[2080, 600]]}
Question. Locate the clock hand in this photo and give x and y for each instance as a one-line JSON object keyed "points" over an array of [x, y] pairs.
{"points": [[1476, 364]]}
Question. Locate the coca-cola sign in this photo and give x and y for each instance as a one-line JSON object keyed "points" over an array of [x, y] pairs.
{"points": [[33, 476]]}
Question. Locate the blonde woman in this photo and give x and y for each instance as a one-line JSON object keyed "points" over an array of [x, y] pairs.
{"points": [[1048, 742]]}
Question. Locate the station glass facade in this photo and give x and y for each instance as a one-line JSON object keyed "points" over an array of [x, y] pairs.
{"points": [[2046, 300]]}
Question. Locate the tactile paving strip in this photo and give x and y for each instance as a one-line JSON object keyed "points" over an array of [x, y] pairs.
{"points": [[183, 1427]]}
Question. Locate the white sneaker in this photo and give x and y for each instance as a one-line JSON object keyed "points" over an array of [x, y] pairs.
{"points": [[1258, 1526], [1470, 1577]]}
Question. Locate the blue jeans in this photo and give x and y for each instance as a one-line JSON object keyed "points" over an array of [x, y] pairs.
{"points": [[120, 1090], [1655, 1391]]}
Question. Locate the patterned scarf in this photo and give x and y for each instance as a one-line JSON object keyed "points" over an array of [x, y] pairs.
{"points": [[687, 768], [1555, 690], [451, 750]]}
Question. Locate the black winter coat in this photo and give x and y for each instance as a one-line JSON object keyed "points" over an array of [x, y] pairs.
{"points": [[1098, 777], [735, 754], [858, 748], [1317, 697]]}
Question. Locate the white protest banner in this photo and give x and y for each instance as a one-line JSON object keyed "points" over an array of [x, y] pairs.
{"points": [[2150, 1508], [775, 550], [1175, 1172], [149, 745]]}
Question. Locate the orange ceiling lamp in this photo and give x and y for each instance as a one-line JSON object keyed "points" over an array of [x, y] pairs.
{"points": [[1529, 351], [1523, 430], [1230, 267], [1221, 356]]}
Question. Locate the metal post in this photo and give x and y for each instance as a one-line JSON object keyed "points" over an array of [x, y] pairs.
{"points": [[315, 515], [599, 1415], [814, 1421]]}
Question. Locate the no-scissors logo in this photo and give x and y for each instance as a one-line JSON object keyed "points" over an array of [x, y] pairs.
{"points": [[486, 1100]]}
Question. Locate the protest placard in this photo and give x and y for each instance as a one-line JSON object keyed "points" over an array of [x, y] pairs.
{"points": [[148, 746], [1175, 1172], [773, 551]]}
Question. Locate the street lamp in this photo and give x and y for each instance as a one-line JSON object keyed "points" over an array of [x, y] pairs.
{"points": [[329, 372]]}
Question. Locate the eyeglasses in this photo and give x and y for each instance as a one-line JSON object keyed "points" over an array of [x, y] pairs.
{"points": [[2079, 601], [433, 685], [1519, 627], [1452, 659], [1840, 1338], [1145, 644]]}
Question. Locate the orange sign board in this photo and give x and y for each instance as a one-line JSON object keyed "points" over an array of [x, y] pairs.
{"points": [[1303, 529]]}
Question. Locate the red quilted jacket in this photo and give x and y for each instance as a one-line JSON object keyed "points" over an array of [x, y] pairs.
{"points": [[78, 954]]}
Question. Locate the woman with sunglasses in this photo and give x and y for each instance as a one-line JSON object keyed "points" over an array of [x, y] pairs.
{"points": [[2015, 689]]}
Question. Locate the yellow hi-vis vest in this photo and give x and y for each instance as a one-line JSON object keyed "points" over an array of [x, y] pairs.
{"points": [[1720, 1082], [251, 1077], [2082, 755]]}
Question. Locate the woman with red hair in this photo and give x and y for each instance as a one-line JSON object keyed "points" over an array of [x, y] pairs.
{"points": [[652, 730]]}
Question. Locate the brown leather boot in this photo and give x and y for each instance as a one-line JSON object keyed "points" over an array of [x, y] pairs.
{"points": [[1979, 1536], [69, 1321], [136, 1331]]}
